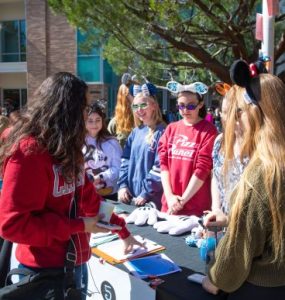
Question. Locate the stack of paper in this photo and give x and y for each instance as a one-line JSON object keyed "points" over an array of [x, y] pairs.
{"points": [[102, 238], [113, 251], [154, 265]]}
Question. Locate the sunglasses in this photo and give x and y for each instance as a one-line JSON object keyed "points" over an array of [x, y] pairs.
{"points": [[136, 107], [187, 106]]}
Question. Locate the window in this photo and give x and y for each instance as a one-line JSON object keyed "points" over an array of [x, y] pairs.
{"points": [[13, 41], [88, 61], [14, 99]]}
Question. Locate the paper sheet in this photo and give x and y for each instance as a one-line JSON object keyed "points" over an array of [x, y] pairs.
{"points": [[113, 251]]}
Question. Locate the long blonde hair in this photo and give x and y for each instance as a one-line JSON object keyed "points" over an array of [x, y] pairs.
{"points": [[269, 152], [123, 112], [156, 117], [236, 105]]}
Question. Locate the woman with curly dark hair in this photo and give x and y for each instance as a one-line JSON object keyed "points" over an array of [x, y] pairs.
{"points": [[42, 165]]}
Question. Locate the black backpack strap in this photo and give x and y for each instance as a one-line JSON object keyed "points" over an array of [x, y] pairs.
{"points": [[5, 258], [18, 271], [70, 258], [69, 265]]}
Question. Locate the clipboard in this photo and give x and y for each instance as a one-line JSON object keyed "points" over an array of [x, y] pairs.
{"points": [[112, 252]]}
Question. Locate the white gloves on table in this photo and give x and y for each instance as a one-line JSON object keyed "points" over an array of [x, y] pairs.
{"points": [[175, 225], [146, 214]]}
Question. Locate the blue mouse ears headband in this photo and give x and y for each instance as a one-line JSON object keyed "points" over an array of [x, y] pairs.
{"points": [[242, 74], [196, 87], [147, 89]]}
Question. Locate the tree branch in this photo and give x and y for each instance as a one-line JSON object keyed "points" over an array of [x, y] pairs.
{"points": [[236, 38], [189, 45]]}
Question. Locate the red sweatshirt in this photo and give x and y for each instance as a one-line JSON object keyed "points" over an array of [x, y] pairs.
{"points": [[184, 151], [35, 204]]}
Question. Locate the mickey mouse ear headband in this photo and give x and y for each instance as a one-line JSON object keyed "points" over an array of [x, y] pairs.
{"points": [[222, 88], [196, 87], [242, 74], [127, 79], [147, 89], [98, 105]]}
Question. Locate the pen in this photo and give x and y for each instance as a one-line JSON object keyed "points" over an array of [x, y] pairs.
{"points": [[133, 251]]}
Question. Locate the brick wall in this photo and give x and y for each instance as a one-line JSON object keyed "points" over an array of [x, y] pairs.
{"points": [[51, 44], [36, 43], [61, 44]]}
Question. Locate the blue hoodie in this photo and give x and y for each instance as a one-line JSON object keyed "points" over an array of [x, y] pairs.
{"points": [[140, 171]]}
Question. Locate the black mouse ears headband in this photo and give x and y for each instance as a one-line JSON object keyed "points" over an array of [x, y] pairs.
{"points": [[242, 73], [128, 79], [98, 105]]}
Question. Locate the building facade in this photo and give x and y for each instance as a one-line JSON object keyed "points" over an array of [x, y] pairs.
{"points": [[35, 43]]}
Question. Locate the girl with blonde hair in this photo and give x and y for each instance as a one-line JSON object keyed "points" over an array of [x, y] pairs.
{"points": [[232, 150], [254, 243], [229, 155], [122, 123], [139, 174]]}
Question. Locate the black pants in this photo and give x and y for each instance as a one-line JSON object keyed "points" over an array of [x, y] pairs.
{"points": [[250, 291]]}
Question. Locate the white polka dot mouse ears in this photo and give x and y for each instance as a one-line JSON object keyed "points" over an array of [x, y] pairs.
{"points": [[196, 87]]}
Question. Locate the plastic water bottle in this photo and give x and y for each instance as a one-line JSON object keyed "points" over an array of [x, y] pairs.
{"points": [[207, 249]]}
